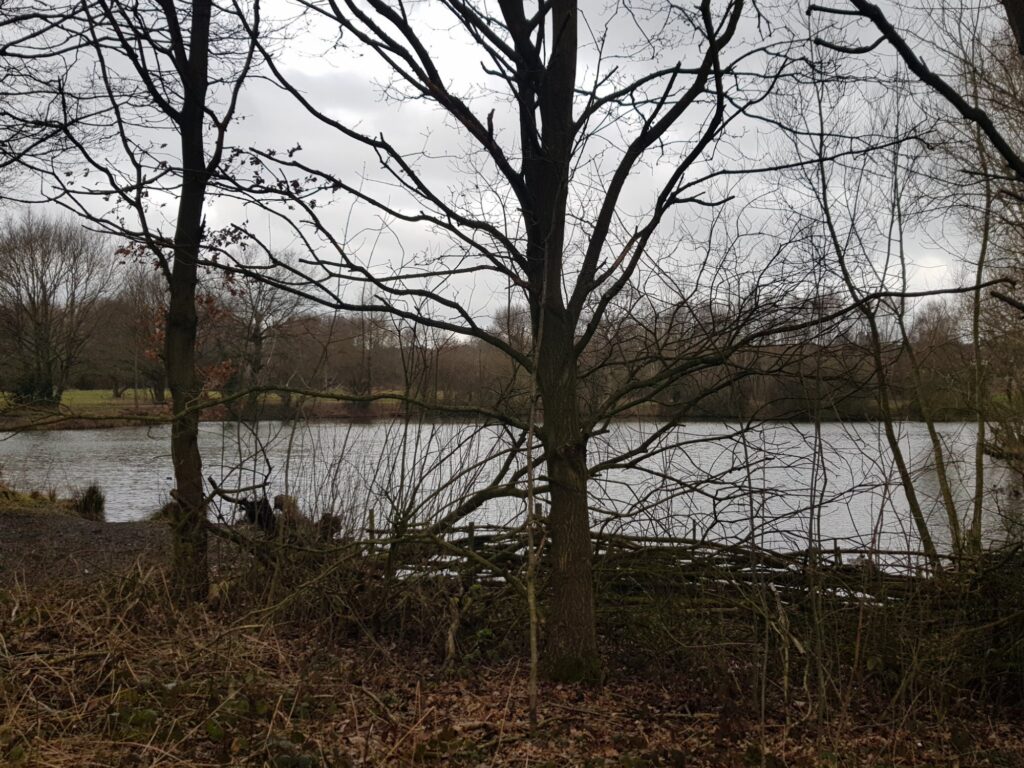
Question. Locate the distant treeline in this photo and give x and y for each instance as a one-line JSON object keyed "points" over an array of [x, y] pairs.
{"points": [[253, 337]]}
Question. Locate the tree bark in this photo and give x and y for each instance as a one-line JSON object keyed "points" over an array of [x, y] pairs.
{"points": [[571, 652], [189, 561], [1015, 15]]}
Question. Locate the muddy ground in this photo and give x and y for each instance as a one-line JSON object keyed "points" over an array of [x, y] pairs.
{"points": [[43, 547]]}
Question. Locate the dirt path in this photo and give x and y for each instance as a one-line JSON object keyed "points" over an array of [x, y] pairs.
{"points": [[46, 547]]}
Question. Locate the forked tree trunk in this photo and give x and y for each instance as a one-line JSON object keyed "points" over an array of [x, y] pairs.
{"points": [[570, 652]]}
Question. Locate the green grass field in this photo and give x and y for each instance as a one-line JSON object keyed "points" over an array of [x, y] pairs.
{"points": [[103, 399], [83, 408]]}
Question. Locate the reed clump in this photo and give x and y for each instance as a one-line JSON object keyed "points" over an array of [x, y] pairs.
{"points": [[90, 503]]}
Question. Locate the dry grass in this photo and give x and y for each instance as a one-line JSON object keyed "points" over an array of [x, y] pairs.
{"points": [[12, 500], [113, 673]]}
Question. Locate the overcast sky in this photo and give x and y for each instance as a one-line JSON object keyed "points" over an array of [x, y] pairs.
{"points": [[347, 84]]}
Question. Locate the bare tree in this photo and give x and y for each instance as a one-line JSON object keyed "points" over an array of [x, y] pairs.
{"points": [[118, 84], [143, 317], [259, 311], [29, 44], [551, 218], [53, 276], [972, 60]]}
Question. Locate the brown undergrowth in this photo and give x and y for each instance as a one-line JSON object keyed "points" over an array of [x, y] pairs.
{"points": [[319, 658]]}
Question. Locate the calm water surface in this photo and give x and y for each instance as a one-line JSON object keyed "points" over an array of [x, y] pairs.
{"points": [[776, 484]]}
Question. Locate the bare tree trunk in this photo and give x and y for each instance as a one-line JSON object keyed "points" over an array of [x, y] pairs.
{"points": [[189, 564], [938, 449], [979, 364], [571, 650]]}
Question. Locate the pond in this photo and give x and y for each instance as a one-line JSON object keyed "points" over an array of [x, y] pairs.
{"points": [[777, 484]]}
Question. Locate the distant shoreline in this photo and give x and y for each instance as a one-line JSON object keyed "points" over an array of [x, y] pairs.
{"points": [[9, 426], [98, 409]]}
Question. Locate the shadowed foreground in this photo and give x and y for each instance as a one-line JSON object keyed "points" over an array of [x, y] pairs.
{"points": [[105, 670]]}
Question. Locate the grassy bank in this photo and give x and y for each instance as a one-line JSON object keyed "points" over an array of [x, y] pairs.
{"points": [[99, 409], [83, 409], [87, 502]]}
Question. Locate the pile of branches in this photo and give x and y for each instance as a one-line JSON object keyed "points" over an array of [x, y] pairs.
{"points": [[841, 621]]}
